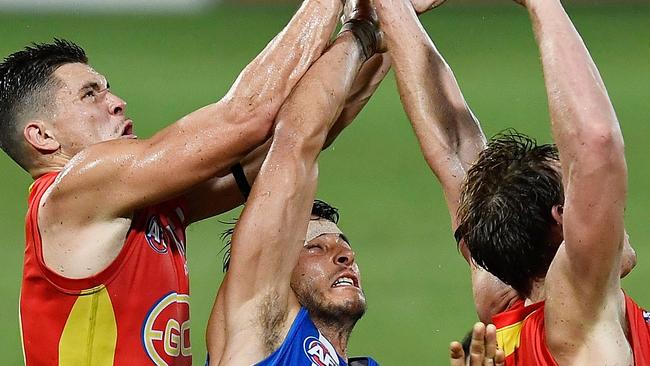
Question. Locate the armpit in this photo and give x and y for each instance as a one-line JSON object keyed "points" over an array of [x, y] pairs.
{"points": [[272, 316]]}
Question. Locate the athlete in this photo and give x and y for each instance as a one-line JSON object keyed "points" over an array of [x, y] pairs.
{"points": [[292, 292], [549, 221], [105, 279], [451, 140]]}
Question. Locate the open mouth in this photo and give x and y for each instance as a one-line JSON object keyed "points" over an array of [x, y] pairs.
{"points": [[346, 281], [128, 130]]}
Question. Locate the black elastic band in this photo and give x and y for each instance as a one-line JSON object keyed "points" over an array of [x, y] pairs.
{"points": [[365, 32], [238, 172]]}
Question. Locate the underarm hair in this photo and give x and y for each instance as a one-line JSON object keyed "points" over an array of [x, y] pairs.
{"points": [[272, 315]]}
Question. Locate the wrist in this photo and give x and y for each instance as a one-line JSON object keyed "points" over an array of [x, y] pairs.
{"points": [[365, 33]]}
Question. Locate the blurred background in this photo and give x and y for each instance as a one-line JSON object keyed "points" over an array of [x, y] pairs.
{"points": [[169, 57]]}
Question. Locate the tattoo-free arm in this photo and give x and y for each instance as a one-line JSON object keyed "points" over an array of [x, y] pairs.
{"points": [[222, 194], [138, 173], [449, 135], [271, 231]]}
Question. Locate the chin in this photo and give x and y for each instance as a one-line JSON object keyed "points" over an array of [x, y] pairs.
{"points": [[350, 309]]}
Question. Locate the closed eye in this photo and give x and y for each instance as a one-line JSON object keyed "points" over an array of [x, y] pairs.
{"points": [[314, 248]]}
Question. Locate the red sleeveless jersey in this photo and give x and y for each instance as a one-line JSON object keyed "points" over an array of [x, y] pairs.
{"points": [[135, 312], [520, 333]]}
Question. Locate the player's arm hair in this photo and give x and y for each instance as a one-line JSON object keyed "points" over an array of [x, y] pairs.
{"points": [[271, 231], [221, 194], [138, 173], [448, 133], [582, 284]]}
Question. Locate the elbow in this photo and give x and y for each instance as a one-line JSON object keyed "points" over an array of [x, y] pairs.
{"points": [[604, 137], [603, 145]]}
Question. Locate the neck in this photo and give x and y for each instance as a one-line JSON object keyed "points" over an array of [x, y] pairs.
{"points": [[49, 163], [337, 332], [537, 292]]}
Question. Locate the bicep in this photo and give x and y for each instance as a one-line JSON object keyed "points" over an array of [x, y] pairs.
{"points": [[116, 177]]}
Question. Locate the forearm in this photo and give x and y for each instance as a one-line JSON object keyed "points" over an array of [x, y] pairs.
{"points": [[372, 73], [313, 107], [222, 193], [279, 204], [449, 135], [267, 81], [581, 113]]}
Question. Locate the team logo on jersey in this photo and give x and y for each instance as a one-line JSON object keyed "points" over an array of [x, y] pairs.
{"points": [[320, 351], [165, 335], [156, 235], [646, 316]]}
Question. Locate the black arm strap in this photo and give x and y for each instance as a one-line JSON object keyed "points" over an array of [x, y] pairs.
{"points": [[238, 172]]}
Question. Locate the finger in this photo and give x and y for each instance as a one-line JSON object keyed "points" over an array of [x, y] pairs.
{"points": [[456, 354], [500, 358], [477, 347], [490, 341]]}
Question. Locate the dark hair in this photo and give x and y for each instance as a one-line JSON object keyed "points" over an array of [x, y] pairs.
{"points": [[505, 208], [319, 209], [25, 77]]}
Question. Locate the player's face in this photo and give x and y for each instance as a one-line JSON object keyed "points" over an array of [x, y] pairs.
{"points": [[86, 112], [327, 279]]}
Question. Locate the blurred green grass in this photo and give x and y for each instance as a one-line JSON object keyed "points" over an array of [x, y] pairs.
{"points": [[392, 209]]}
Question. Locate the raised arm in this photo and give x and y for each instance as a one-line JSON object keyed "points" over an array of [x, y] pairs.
{"points": [[255, 296], [449, 135], [221, 194], [582, 286], [137, 173]]}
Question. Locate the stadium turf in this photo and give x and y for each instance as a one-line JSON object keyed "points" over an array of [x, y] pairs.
{"points": [[392, 209]]}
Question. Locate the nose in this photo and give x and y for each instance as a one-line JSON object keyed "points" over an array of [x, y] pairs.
{"points": [[116, 105], [344, 257]]}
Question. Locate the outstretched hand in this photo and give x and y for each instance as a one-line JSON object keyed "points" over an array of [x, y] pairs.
{"points": [[483, 349]]}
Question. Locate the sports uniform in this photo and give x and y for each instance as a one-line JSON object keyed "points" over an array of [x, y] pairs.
{"points": [[306, 346], [134, 312], [520, 333]]}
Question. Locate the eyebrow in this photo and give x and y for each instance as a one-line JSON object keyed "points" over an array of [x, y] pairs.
{"points": [[94, 85]]}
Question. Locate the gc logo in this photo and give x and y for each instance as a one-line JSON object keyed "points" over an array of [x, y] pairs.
{"points": [[166, 331]]}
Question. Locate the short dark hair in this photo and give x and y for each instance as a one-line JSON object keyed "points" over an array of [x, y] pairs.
{"points": [[319, 209], [505, 213], [25, 77]]}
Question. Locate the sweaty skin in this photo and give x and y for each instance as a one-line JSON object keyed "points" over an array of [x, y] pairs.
{"points": [[449, 134], [256, 305], [585, 320], [91, 141]]}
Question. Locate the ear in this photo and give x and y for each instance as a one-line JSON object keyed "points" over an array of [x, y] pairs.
{"points": [[557, 231], [40, 138], [557, 212]]}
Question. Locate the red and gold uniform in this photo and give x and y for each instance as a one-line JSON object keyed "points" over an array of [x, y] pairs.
{"points": [[134, 312], [520, 333]]}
